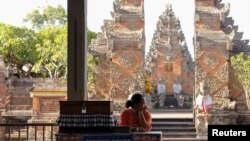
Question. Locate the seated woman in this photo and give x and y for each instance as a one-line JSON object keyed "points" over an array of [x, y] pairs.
{"points": [[136, 115]]}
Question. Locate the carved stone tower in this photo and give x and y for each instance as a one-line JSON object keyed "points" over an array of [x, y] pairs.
{"points": [[168, 58], [123, 49], [212, 46]]}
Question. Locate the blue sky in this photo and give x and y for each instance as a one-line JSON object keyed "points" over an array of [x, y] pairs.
{"points": [[13, 11]]}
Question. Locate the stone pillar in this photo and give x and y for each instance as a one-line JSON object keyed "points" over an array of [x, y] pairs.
{"points": [[212, 47]]}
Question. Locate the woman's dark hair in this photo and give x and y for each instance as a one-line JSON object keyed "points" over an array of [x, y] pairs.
{"points": [[135, 99]]}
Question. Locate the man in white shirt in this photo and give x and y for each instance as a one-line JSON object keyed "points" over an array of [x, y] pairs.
{"points": [[177, 93], [161, 90], [177, 88]]}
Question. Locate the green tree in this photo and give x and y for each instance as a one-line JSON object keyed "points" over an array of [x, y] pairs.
{"points": [[90, 35], [90, 58], [50, 16], [43, 51], [241, 64], [18, 47], [52, 48]]}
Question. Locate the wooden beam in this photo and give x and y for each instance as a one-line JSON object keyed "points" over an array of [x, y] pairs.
{"points": [[77, 50]]}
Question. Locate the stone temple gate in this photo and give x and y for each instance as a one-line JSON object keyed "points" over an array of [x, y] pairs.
{"points": [[120, 51], [121, 68]]}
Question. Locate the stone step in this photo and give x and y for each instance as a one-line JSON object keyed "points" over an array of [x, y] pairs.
{"points": [[170, 123], [174, 129], [172, 120], [182, 115], [168, 110], [179, 135], [173, 124]]}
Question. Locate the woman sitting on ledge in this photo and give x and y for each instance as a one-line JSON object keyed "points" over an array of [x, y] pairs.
{"points": [[136, 115]]}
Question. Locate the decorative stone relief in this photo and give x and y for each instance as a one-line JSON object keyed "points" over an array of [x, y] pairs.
{"points": [[223, 73], [200, 74], [217, 103], [213, 83], [211, 61], [115, 71], [102, 84], [224, 118], [125, 84], [116, 93], [127, 60], [201, 127], [199, 54], [223, 93]]}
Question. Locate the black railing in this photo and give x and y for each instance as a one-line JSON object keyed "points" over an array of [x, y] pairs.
{"points": [[28, 132]]}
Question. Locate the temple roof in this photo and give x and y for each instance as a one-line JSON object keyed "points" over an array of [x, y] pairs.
{"points": [[168, 14]]}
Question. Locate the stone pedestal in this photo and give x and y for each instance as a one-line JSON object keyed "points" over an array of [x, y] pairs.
{"points": [[218, 118]]}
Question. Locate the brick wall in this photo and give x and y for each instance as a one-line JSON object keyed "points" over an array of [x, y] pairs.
{"points": [[49, 104]]}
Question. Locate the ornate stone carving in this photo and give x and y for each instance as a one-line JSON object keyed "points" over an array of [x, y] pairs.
{"points": [[199, 54], [115, 71], [200, 74], [127, 60], [213, 84], [224, 92], [223, 73], [211, 61]]}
